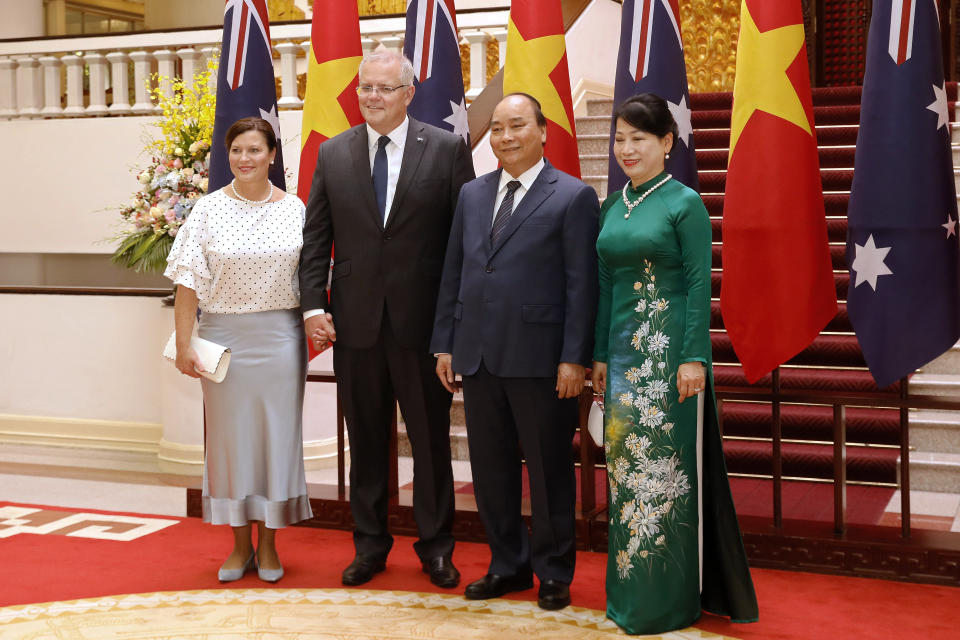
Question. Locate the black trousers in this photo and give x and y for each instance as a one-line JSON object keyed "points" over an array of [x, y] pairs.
{"points": [[368, 380], [503, 416]]}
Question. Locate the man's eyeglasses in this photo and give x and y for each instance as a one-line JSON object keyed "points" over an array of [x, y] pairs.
{"points": [[367, 89]]}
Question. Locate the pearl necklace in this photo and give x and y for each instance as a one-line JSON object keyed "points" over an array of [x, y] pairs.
{"points": [[233, 187], [632, 205]]}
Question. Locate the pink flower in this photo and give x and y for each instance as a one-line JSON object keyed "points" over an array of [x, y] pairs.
{"points": [[174, 199], [178, 163]]}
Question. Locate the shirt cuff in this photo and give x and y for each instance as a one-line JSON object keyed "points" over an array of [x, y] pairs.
{"points": [[313, 312]]}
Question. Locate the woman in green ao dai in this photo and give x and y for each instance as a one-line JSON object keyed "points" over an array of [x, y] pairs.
{"points": [[674, 543]]}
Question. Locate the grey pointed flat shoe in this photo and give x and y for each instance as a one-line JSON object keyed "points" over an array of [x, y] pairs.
{"points": [[269, 575], [229, 575]]}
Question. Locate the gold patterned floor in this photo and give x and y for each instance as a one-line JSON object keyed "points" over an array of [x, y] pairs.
{"points": [[306, 614]]}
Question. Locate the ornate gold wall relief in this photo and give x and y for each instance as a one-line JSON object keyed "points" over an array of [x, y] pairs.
{"points": [[710, 31], [380, 7]]}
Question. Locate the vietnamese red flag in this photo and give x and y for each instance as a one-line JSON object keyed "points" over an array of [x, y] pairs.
{"points": [[778, 289], [330, 105], [537, 64]]}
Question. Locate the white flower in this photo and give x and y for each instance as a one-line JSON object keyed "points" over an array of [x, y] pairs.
{"points": [[606, 449], [676, 484], [650, 286], [651, 490], [641, 402], [661, 365], [633, 545], [646, 369], [645, 521], [634, 481], [626, 511], [144, 176], [644, 554], [623, 564], [667, 426], [637, 340], [661, 540], [636, 445], [626, 399], [656, 389], [613, 491], [633, 375], [666, 506], [620, 468], [658, 342], [645, 329], [641, 306], [651, 416]]}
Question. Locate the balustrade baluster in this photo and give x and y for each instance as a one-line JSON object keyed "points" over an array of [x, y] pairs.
{"points": [[288, 75], [209, 53], [501, 37], [119, 68], [167, 70], [30, 85], [51, 86], [74, 65], [478, 62], [97, 64], [189, 61], [141, 80], [8, 87]]}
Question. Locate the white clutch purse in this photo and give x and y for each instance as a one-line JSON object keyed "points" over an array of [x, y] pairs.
{"points": [[214, 357], [595, 420]]}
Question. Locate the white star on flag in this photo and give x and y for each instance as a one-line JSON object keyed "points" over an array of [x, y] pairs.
{"points": [[939, 105], [869, 263], [274, 120], [681, 113], [950, 225], [458, 118]]}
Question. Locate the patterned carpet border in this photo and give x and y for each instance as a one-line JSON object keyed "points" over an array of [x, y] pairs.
{"points": [[585, 620]]}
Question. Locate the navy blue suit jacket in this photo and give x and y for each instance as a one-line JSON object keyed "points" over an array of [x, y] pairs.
{"points": [[527, 303]]}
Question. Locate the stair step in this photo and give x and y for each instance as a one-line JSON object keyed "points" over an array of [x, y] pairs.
{"points": [[805, 422], [864, 464], [935, 472], [802, 378], [935, 431], [824, 351]]}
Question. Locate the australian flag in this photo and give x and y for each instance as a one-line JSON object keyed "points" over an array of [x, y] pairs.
{"points": [[245, 85], [432, 44], [902, 243], [651, 61]]}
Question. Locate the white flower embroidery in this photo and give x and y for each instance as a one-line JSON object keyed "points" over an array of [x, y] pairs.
{"points": [[623, 564], [645, 521], [626, 399], [633, 545], [676, 484], [661, 365], [633, 375], [651, 416], [660, 305], [620, 468], [661, 540], [646, 369], [644, 329], [637, 341], [613, 491], [641, 306], [641, 402], [634, 481], [657, 342], [626, 511], [657, 389], [667, 427]]}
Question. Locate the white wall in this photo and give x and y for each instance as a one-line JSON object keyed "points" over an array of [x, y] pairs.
{"points": [[21, 18]]}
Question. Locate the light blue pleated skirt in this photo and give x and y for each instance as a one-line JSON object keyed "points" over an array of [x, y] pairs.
{"points": [[254, 420]]}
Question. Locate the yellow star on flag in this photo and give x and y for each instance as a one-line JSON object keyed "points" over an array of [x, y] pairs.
{"points": [[761, 83], [325, 82], [528, 67]]}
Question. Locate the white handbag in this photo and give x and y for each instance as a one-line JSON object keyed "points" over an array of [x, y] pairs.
{"points": [[213, 357], [595, 420]]}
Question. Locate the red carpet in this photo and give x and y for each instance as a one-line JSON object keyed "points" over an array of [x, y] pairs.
{"points": [[185, 556]]}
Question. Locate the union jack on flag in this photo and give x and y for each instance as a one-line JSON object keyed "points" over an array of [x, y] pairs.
{"points": [[902, 15], [245, 84], [432, 45], [651, 61]]}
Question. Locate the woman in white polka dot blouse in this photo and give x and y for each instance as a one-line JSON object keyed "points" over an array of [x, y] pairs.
{"points": [[236, 260]]}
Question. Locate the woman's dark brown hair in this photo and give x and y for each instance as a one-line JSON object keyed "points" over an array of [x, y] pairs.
{"points": [[251, 124]]}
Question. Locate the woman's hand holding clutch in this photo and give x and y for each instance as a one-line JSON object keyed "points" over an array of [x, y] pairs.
{"points": [[598, 377]]}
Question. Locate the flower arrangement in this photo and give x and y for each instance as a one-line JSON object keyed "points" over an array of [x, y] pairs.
{"points": [[176, 176]]}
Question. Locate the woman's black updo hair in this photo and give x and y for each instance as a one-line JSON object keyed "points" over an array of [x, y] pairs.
{"points": [[648, 112]]}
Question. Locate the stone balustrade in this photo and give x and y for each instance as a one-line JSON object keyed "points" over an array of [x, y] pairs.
{"points": [[106, 75]]}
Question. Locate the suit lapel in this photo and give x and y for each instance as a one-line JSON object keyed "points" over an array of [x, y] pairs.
{"points": [[540, 190], [360, 151], [413, 150]]}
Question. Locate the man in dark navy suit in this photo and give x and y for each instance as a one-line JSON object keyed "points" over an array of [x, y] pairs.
{"points": [[515, 318]]}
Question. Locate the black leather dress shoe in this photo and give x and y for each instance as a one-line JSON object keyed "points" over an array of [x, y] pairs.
{"points": [[442, 572], [362, 569], [553, 595], [494, 586]]}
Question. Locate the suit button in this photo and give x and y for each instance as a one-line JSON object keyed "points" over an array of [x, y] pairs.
{"points": [[385, 238], [489, 269]]}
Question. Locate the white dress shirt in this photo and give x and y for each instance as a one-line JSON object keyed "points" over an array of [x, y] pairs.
{"points": [[240, 258], [394, 149], [526, 180]]}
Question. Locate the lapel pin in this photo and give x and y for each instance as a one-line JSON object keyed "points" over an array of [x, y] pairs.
{"points": [[419, 139]]}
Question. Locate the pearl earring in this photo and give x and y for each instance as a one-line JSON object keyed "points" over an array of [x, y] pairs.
{"points": [[666, 156]]}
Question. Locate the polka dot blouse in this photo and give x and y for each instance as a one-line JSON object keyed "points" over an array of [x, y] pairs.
{"points": [[240, 258]]}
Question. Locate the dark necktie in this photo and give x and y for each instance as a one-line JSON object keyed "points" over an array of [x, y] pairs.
{"points": [[504, 212], [380, 176]]}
